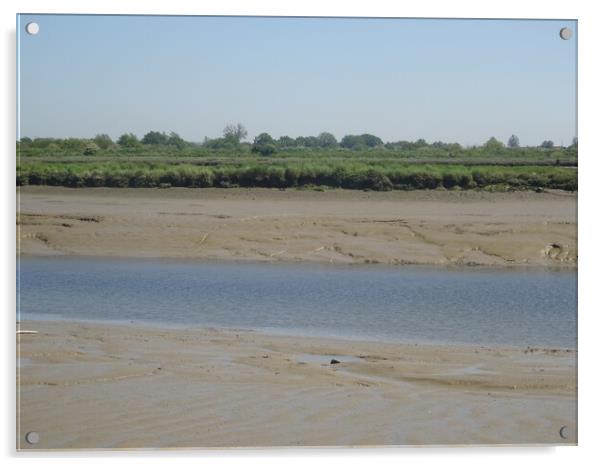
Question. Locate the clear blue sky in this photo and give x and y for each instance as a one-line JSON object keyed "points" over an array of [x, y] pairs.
{"points": [[401, 79]]}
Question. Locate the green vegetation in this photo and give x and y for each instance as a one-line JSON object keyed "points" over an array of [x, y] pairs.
{"points": [[357, 162], [348, 175]]}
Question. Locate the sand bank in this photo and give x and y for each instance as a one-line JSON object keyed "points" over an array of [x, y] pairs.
{"points": [[88, 385], [421, 227]]}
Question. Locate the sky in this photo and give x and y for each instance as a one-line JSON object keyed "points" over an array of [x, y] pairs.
{"points": [[400, 79]]}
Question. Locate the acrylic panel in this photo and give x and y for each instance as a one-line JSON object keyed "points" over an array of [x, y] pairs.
{"points": [[287, 231]]}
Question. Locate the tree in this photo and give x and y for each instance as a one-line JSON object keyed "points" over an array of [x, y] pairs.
{"points": [[286, 141], [547, 145], [74, 144], [513, 142], [371, 141], [574, 144], [300, 141], [448, 146], [175, 140], [44, 142], [327, 141], [128, 140], [155, 138], [400, 145], [25, 140], [235, 133], [103, 141], [351, 141], [311, 142], [264, 144], [493, 146], [363, 141]]}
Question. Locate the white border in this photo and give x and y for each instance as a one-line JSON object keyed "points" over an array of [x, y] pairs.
{"points": [[590, 168]]}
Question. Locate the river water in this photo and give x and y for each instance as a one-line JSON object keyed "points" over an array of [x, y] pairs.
{"points": [[403, 304]]}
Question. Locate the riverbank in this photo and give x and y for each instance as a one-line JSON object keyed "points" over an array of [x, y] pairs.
{"points": [[443, 228], [92, 385]]}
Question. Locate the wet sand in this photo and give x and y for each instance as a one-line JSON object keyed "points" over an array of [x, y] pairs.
{"points": [[90, 385], [443, 228]]}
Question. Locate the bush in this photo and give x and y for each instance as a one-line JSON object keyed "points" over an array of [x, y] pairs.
{"points": [[265, 149], [91, 149]]}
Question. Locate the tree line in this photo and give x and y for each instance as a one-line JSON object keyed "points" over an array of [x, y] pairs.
{"points": [[234, 135]]}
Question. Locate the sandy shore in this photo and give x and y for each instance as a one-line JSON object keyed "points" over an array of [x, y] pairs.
{"points": [[88, 385], [421, 227]]}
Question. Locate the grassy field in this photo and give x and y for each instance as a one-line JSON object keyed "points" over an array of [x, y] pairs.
{"points": [[201, 155], [79, 162]]}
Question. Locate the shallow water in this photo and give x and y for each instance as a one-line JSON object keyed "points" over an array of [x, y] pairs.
{"points": [[475, 306]]}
